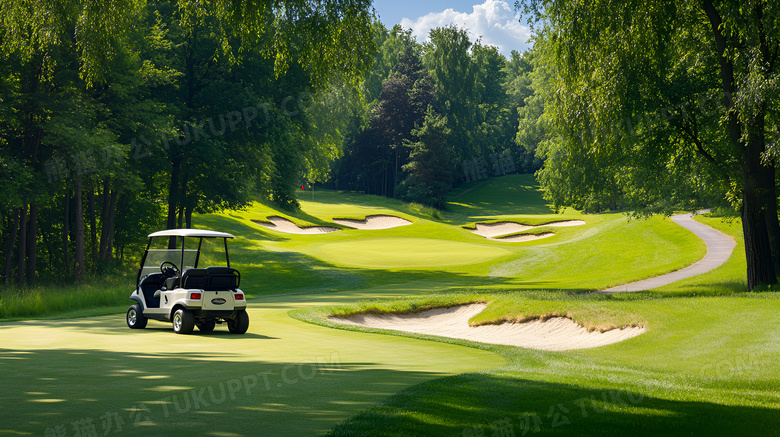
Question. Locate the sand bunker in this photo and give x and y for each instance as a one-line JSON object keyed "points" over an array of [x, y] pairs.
{"points": [[523, 237], [283, 225], [494, 231], [373, 222], [555, 334]]}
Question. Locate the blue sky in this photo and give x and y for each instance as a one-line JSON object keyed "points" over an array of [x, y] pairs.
{"points": [[495, 21]]}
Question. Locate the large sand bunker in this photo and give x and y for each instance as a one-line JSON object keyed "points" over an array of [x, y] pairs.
{"points": [[283, 225], [555, 334], [373, 222], [501, 231]]}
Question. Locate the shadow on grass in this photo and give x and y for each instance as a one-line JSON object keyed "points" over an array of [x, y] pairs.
{"points": [[64, 392], [719, 288], [485, 405], [512, 194]]}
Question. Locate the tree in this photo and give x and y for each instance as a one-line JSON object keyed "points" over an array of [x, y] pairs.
{"points": [[101, 104], [526, 83], [455, 75], [430, 163], [680, 88], [375, 155]]}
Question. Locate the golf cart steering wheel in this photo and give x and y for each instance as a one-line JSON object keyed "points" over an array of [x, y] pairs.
{"points": [[169, 272]]}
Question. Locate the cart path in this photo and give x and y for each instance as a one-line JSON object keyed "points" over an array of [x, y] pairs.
{"points": [[719, 248]]}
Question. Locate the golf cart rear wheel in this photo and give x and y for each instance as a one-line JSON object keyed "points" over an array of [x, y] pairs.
{"points": [[135, 318], [239, 324], [183, 322], [206, 326]]}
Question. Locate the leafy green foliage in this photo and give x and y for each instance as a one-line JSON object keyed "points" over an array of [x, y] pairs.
{"points": [[663, 106], [429, 172], [109, 109]]}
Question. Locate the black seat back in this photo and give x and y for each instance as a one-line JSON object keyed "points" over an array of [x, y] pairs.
{"points": [[223, 278], [195, 278]]}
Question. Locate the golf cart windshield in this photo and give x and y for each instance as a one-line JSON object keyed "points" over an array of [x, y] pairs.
{"points": [[155, 257], [184, 249]]}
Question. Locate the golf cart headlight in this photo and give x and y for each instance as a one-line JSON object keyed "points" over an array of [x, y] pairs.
{"points": [[194, 295]]}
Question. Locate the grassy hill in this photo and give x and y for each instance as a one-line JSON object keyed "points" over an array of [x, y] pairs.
{"points": [[432, 248], [707, 365]]}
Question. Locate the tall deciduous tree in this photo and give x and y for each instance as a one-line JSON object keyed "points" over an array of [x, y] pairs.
{"points": [[455, 74], [683, 88]]}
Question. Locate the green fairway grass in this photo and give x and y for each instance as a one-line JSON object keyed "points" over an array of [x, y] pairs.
{"points": [[353, 258], [286, 378], [407, 252], [707, 364]]}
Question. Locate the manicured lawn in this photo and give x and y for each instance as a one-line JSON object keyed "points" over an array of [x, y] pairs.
{"points": [[707, 365]]}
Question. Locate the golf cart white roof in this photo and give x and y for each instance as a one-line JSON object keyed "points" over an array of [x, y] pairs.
{"points": [[203, 233]]}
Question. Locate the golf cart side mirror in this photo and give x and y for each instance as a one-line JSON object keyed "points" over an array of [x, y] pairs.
{"points": [[157, 294]]}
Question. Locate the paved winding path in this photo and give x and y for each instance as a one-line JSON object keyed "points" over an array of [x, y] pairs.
{"points": [[719, 248]]}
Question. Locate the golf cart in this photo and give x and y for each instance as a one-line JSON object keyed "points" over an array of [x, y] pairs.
{"points": [[171, 287]]}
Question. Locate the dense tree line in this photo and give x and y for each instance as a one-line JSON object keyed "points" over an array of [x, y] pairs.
{"points": [[123, 116], [434, 115], [115, 124]]}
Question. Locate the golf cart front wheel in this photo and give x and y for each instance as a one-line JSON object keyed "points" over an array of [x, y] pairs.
{"points": [[135, 318], [183, 322], [239, 324]]}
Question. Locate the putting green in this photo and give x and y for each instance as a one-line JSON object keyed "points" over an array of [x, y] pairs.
{"points": [[406, 252]]}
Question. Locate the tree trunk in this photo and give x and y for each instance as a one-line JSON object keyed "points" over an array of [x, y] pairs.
{"points": [[188, 216], [105, 214], [173, 192], [758, 252], [180, 217], [182, 200], [79, 252], [9, 247], [66, 232], [760, 265], [772, 224], [32, 244], [20, 269], [92, 225], [111, 227]]}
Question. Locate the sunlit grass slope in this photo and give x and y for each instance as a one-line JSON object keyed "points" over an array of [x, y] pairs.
{"points": [[274, 262], [708, 364]]}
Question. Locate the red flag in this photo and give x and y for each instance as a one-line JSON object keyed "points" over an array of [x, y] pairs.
{"points": [[303, 188]]}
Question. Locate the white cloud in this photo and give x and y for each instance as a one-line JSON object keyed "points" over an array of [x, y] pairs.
{"points": [[495, 21]]}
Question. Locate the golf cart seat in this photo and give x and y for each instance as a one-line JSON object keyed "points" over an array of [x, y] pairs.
{"points": [[149, 284], [195, 278], [223, 278]]}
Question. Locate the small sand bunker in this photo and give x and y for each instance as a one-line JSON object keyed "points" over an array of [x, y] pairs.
{"points": [[283, 225], [523, 237], [373, 222], [555, 334], [495, 231]]}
